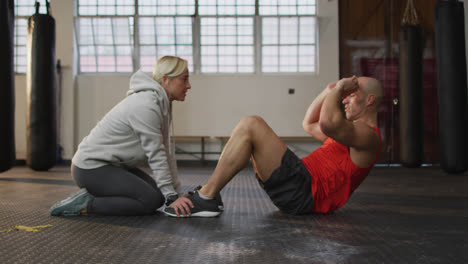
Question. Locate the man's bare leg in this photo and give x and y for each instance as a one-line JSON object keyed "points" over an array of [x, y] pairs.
{"points": [[252, 137]]}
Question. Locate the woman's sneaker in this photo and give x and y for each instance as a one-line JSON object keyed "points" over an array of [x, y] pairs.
{"points": [[201, 207], [72, 205]]}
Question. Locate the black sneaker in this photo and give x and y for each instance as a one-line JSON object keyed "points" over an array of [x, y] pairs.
{"points": [[217, 198], [201, 208]]}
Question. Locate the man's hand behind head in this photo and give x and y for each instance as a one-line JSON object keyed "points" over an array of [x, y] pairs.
{"points": [[348, 85]]}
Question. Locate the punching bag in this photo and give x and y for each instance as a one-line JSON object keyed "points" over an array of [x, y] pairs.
{"points": [[451, 85], [41, 85], [411, 83], [7, 79]]}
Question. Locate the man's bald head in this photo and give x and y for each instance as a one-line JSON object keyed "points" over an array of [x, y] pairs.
{"points": [[371, 86]]}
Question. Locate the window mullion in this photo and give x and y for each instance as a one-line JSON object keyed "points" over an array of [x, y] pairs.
{"points": [[136, 38], [298, 42], [156, 37], [196, 46], [316, 54], [94, 44], [77, 39], [279, 44], [175, 35], [258, 44], [114, 44], [237, 43], [217, 40]]}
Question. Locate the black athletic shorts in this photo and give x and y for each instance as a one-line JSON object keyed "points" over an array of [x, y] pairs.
{"points": [[289, 186]]}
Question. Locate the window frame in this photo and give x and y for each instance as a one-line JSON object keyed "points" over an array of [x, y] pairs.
{"points": [[196, 42]]}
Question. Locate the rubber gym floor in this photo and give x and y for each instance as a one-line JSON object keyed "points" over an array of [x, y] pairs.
{"points": [[398, 215]]}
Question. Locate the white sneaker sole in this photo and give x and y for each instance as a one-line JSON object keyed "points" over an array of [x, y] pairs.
{"points": [[197, 214]]}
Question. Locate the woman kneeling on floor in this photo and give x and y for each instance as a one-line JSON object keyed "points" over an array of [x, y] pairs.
{"points": [[135, 131]]}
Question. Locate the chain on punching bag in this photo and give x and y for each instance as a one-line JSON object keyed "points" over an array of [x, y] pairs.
{"points": [[411, 86], [41, 90], [452, 85], [7, 79]]}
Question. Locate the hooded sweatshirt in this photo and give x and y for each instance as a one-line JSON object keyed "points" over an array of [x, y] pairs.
{"points": [[135, 131]]}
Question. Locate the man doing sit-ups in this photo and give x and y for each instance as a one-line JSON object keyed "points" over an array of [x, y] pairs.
{"points": [[322, 181]]}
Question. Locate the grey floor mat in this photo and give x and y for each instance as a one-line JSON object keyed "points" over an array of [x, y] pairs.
{"points": [[398, 215]]}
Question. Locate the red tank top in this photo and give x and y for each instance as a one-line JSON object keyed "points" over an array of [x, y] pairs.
{"points": [[334, 175]]}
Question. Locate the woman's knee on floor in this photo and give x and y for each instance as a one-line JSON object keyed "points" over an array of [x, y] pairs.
{"points": [[152, 202]]}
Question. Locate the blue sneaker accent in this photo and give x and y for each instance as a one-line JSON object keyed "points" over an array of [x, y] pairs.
{"points": [[72, 205]]}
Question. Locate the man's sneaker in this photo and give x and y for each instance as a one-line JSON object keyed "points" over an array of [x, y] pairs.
{"points": [[72, 205], [217, 198], [201, 208]]}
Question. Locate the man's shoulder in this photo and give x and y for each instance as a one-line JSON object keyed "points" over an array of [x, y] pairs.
{"points": [[368, 134]]}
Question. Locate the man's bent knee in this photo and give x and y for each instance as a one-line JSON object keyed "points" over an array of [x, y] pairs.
{"points": [[252, 122]]}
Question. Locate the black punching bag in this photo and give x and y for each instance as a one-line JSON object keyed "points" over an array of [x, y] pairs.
{"points": [[7, 80], [452, 85], [41, 85], [410, 99]]}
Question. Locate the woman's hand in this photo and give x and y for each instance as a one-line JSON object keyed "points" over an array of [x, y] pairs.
{"points": [[183, 204]]}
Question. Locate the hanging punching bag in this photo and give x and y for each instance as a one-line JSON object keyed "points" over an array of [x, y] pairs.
{"points": [[451, 85], [411, 82], [41, 100], [7, 80]]}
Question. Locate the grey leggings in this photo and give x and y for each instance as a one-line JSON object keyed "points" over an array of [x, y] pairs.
{"points": [[118, 191]]}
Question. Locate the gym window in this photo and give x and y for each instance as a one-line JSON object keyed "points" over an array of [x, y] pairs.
{"points": [[23, 10], [229, 36]]}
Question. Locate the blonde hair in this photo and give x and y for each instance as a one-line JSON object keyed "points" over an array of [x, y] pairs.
{"points": [[171, 66]]}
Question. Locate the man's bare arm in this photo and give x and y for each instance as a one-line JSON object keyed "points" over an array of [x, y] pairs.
{"points": [[312, 116], [334, 124]]}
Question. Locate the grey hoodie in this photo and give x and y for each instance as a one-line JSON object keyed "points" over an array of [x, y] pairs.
{"points": [[135, 131]]}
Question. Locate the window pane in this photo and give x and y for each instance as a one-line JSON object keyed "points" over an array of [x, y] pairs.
{"points": [[161, 36], [307, 30], [270, 58], [26, 8], [88, 64], [288, 59], [165, 31], [287, 7], [106, 7], [20, 40], [103, 31], [166, 7], [288, 30], [227, 44], [307, 58], [288, 44], [147, 63], [270, 30], [226, 7], [121, 31], [105, 42]]}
